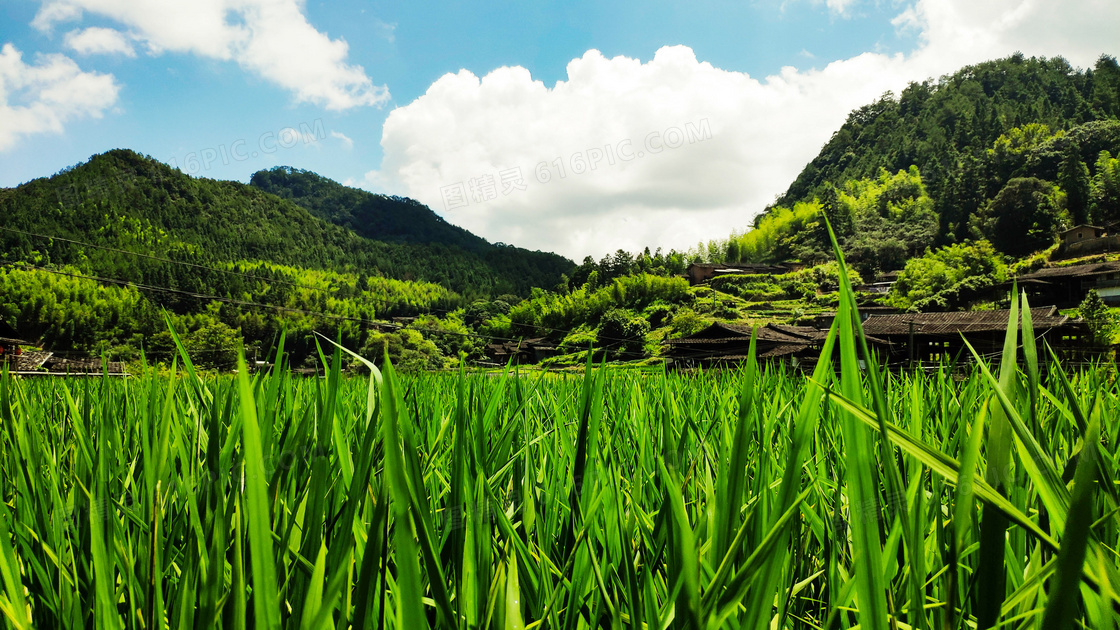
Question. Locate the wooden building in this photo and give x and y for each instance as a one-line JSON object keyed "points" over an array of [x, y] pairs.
{"points": [[1086, 239], [882, 283], [1067, 286], [39, 361], [525, 352], [930, 337], [724, 344], [10, 345]]}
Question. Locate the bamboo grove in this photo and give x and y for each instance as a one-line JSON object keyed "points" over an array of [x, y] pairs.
{"points": [[847, 495]]}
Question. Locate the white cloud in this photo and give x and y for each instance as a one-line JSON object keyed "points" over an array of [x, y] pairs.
{"points": [[839, 6], [99, 41], [343, 138], [41, 97], [55, 12], [763, 131], [271, 38]]}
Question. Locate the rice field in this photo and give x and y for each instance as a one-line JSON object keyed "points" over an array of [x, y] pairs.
{"points": [[761, 498]]}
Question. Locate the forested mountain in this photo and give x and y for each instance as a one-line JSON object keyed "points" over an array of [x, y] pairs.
{"points": [[229, 262], [378, 217], [935, 125], [1012, 151], [126, 201], [403, 220]]}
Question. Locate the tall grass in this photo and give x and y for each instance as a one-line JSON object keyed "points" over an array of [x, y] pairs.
{"points": [[756, 498]]}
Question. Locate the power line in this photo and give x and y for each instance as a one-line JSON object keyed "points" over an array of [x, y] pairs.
{"points": [[201, 296], [218, 298], [164, 260], [546, 329]]}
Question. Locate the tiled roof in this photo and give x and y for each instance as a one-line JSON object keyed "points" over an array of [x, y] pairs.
{"points": [[1072, 271], [31, 361], [1042, 318], [1083, 226], [84, 366], [719, 333], [781, 351]]}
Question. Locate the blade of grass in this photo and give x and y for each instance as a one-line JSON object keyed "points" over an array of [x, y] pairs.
{"points": [[266, 606]]}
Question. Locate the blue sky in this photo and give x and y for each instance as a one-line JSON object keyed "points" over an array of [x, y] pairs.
{"points": [[222, 88]]}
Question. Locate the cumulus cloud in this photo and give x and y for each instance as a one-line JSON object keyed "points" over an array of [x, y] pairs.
{"points": [[510, 158], [271, 38], [42, 96], [99, 41]]}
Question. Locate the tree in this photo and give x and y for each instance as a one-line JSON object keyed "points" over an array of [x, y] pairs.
{"points": [[622, 333], [733, 254], [1022, 218], [948, 277], [1102, 322], [686, 322], [214, 345], [1104, 190], [1073, 177]]}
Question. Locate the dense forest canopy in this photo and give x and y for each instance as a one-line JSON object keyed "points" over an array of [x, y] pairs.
{"points": [[935, 125], [378, 217], [395, 219]]}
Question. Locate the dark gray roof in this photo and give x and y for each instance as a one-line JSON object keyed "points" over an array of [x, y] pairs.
{"points": [[1072, 271], [721, 332], [1042, 318]]}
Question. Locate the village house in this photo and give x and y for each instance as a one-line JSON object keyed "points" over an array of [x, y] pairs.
{"points": [[1066, 287], [524, 352], [37, 361], [722, 344], [1084, 239], [899, 339], [882, 283], [911, 338]]}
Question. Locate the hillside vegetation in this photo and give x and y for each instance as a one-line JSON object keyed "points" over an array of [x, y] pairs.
{"points": [[166, 241], [1011, 151], [391, 219]]}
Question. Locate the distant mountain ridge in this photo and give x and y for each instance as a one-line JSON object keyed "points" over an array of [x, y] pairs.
{"points": [[378, 217]]}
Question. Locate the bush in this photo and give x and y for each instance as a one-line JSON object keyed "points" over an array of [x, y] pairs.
{"points": [[948, 277], [1101, 320], [686, 322], [658, 313], [622, 334]]}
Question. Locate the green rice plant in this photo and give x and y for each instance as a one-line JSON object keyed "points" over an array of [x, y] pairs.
{"points": [[758, 497]]}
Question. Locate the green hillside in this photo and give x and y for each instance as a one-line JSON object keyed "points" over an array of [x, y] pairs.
{"points": [[937, 124], [378, 217], [124, 200], [1011, 151], [402, 220], [166, 241]]}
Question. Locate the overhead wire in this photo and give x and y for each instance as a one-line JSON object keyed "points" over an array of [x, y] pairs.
{"points": [[546, 329], [249, 304]]}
